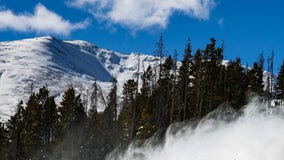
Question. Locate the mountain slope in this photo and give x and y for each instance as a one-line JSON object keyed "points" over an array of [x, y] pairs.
{"points": [[26, 65]]}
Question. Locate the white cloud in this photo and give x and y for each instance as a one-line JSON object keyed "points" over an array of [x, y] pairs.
{"points": [[42, 21], [221, 22], [141, 14]]}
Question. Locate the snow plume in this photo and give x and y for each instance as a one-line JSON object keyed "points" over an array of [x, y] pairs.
{"points": [[142, 14], [42, 21], [255, 134]]}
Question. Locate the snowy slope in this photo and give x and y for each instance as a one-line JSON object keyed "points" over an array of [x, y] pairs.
{"points": [[32, 63], [29, 64], [119, 65]]}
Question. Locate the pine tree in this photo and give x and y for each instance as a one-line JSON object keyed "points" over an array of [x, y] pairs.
{"points": [[162, 96], [213, 57], [160, 52], [198, 82], [147, 82], [32, 120], [110, 123], [236, 84], [94, 141], [174, 94], [128, 118], [183, 83], [96, 147], [37, 122], [270, 85], [4, 142], [90, 144], [94, 99], [48, 120], [256, 76], [72, 126], [280, 83], [15, 131], [146, 125], [259, 74]]}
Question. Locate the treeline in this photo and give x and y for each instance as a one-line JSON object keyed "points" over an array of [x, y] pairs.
{"points": [[41, 130]]}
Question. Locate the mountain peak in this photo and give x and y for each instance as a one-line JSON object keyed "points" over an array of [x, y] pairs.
{"points": [[49, 61]]}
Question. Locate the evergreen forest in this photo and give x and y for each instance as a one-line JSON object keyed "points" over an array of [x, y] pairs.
{"points": [[167, 93]]}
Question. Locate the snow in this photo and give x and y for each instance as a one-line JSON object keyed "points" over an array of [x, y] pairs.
{"points": [[257, 134], [120, 66], [60, 64]]}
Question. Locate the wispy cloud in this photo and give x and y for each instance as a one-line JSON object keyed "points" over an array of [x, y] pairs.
{"points": [[41, 21], [142, 14], [221, 22]]}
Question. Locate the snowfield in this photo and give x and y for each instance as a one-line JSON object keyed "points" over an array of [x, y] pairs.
{"points": [[26, 65]]}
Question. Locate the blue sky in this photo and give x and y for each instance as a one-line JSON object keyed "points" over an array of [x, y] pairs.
{"points": [[247, 27]]}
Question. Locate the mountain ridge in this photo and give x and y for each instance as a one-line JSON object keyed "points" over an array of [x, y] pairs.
{"points": [[59, 64], [28, 64]]}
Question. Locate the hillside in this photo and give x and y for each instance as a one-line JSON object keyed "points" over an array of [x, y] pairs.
{"points": [[28, 64]]}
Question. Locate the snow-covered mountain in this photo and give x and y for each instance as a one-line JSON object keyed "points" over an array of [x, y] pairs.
{"points": [[29, 64], [26, 65]]}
